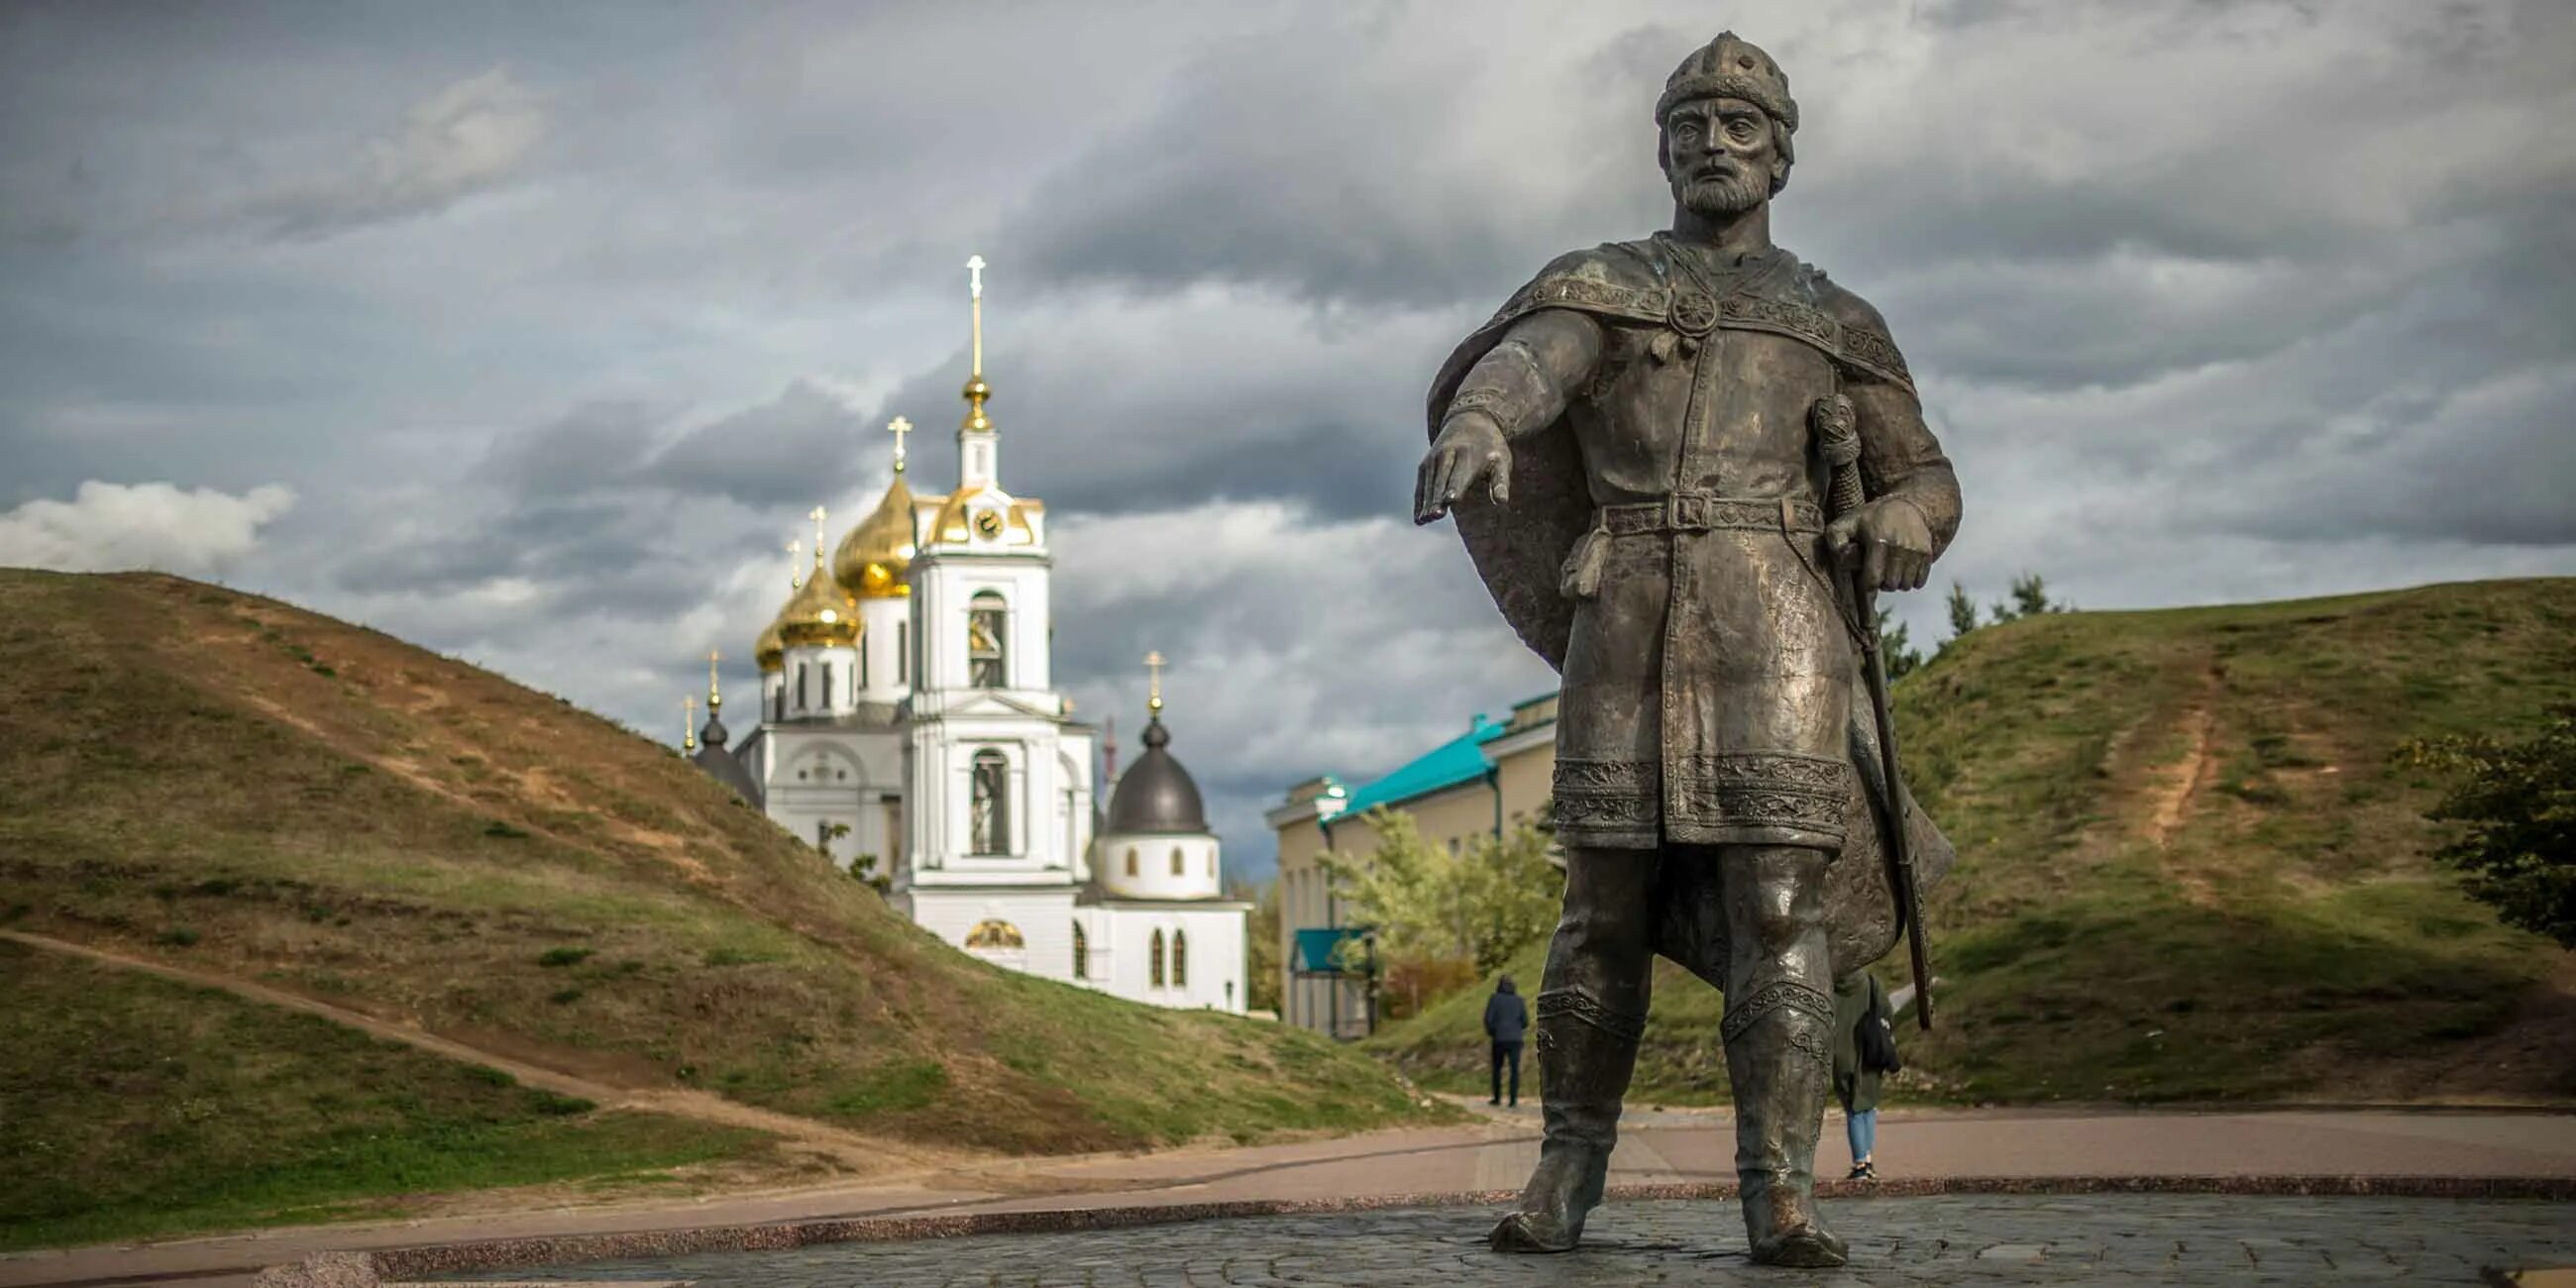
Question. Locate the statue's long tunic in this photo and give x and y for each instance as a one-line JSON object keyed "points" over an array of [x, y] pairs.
{"points": [[1663, 544]]}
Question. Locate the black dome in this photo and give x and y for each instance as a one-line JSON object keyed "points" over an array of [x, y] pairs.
{"points": [[721, 765], [1156, 795]]}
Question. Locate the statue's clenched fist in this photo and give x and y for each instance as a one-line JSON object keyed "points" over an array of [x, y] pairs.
{"points": [[1470, 450], [1889, 538]]}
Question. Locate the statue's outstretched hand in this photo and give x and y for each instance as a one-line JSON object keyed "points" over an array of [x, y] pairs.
{"points": [[1889, 538], [1470, 450]]}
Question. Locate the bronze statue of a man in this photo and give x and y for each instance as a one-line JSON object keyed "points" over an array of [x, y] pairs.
{"points": [[1638, 449]]}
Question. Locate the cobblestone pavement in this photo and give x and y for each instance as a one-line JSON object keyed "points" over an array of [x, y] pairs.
{"points": [[2130, 1239]]}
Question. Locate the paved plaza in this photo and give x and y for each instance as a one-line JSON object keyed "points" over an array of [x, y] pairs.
{"points": [[2001, 1239], [1687, 1148]]}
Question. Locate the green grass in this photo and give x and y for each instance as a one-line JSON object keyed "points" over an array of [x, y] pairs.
{"points": [[131, 1107], [2288, 938], [418, 837]]}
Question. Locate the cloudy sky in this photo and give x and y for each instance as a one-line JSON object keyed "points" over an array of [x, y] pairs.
{"points": [[528, 332]]}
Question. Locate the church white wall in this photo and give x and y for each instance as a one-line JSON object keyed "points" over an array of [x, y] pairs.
{"points": [[1049, 799], [1215, 937], [1139, 866], [886, 627], [944, 589], [821, 682], [824, 776], [1044, 918]]}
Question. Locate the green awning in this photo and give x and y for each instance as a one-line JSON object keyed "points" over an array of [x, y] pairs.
{"points": [[1315, 948]]}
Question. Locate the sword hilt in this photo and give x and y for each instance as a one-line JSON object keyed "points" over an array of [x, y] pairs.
{"points": [[1837, 426]]}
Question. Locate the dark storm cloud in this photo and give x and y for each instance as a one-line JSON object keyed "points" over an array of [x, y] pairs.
{"points": [[804, 444], [596, 446], [1370, 156], [556, 320], [1097, 423]]}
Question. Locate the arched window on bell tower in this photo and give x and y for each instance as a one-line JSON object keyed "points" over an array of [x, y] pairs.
{"points": [[1081, 953], [987, 659], [989, 819], [1154, 960], [1180, 959]]}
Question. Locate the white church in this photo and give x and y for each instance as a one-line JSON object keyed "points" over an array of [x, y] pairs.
{"points": [[908, 715]]}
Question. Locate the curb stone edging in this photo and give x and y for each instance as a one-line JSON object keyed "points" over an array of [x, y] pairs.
{"points": [[432, 1260]]}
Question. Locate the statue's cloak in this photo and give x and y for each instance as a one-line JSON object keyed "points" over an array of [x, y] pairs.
{"points": [[1520, 549]]}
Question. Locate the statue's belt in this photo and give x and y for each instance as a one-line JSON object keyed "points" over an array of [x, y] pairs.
{"points": [[1695, 314], [1702, 512]]}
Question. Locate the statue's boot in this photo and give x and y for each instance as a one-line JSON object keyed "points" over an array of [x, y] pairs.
{"points": [[1778, 1046], [1586, 1053]]}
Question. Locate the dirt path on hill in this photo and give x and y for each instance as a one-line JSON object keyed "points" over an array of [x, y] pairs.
{"points": [[847, 1151], [2173, 789]]}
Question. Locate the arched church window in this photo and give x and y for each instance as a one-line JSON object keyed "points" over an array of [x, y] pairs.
{"points": [[1081, 953], [989, 825], [985, 662], [827, 686], [1131, 860], [1211, 863], [800, 686], [1177, 860], [1180, 959], [903, 652], [995, 933], [1154, 960]]}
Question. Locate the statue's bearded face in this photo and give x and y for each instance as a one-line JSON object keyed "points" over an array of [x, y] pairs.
{"points": [[1721, 155]]}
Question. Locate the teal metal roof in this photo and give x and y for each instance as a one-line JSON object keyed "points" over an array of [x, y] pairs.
{"points": [[1459, 760]]}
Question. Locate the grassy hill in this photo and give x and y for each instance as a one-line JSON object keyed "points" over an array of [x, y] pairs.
{"points": [[2187, 869], [136, 1105], [228, 783]]}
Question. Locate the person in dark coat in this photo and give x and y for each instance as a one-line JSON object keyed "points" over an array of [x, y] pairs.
{"points": [[1864, 1049], [1506, 1023]]}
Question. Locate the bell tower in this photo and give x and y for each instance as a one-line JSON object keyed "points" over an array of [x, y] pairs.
{"points": [[1002, 777]]}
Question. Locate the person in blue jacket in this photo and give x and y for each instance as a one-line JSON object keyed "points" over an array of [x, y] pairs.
{"points": [[1506, 1023]]}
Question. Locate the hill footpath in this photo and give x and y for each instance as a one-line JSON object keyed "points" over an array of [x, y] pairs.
{"points": [[2188, 869], [254, 793]]}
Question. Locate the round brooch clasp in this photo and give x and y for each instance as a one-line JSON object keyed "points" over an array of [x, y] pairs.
{"points": [[1693, 314]]}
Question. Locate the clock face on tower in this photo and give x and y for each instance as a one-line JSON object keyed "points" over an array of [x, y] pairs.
{"points": [[988, 523]]}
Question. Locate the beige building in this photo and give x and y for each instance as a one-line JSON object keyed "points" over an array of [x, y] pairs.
{"points": [[1475, 784]]}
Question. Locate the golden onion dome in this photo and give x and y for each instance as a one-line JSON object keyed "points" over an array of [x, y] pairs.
{"points": [[875, 560], [769, 650], [964, 516], [820, 615]]}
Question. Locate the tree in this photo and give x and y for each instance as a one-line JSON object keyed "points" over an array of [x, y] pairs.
{"points": [[864, 868], [2519, 802], [1261, 947], [2029, 599], [1900, 657], [1963, 613], [1426, 905]]}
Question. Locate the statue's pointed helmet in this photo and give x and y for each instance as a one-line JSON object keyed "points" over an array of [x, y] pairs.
{"points": [[1733, 67]]}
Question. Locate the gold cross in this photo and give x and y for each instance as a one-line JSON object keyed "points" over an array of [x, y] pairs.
{"points": [[818, 515], [898, 427], [714, 699], [1154, 681], [975, 288], [795, 569]]}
